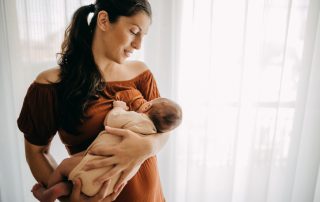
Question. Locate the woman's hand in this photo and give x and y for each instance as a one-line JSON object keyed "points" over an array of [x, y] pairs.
{"points": [[125, 157], [76, 195]]}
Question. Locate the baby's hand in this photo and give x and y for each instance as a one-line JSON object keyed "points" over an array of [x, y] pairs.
{"points": [[121, 104]]}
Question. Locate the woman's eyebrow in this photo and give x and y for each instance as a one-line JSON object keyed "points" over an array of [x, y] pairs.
{"points": [[138, 27]]}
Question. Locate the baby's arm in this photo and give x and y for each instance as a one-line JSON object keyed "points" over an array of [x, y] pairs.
{"points": [[62, 171], [119, 107]]}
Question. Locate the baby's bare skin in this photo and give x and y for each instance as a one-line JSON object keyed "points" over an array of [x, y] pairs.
{"points": [[57, 185]]}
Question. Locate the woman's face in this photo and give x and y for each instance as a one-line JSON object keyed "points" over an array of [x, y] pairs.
{"points": [[124, 36]]}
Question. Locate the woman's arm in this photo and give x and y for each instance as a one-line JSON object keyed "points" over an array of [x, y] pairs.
{"points": [[156, 142], [40, 161], [126, 156], [42, 166]]}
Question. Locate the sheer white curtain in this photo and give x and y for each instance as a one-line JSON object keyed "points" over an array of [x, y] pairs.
{"points": [[247, 77], [31, 34], [246, 73]]}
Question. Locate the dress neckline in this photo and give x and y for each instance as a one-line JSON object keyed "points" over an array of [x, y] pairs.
{"points": [[129, 80], [107, 82]]}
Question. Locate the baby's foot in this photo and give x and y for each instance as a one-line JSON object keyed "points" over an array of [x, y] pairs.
{"points": [[52, 193], [38, 191]]}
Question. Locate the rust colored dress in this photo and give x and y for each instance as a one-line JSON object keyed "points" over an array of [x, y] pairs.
{"points": [[38, 121]]}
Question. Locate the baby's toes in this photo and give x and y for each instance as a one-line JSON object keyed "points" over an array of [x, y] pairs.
{"points": [[36, 187]]}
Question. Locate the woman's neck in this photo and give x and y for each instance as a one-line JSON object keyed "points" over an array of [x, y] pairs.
{"points": [[105, 65], [101, 61]]}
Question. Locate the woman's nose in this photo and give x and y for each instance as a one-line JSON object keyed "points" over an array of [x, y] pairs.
{"points": [[136, 43]]}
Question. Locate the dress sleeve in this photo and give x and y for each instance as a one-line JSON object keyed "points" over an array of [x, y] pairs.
{"points": [[38, 116], [147, 86]]}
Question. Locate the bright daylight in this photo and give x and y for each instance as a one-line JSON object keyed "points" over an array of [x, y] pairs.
{"points": [[160, 100]]}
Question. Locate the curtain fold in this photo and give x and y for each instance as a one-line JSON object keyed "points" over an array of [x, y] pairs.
{"points": [[10, 157]]}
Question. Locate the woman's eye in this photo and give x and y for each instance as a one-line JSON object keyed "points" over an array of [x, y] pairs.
{"points": [[133, 32]]}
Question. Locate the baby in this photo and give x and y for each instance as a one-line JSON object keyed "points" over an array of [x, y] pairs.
{"points": [[158, 115]]}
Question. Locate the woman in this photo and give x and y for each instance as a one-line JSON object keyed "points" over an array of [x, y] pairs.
{"points": [[74, 98]]}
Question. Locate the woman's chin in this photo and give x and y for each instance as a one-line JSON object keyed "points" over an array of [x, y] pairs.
{"points": [[120, 60]]}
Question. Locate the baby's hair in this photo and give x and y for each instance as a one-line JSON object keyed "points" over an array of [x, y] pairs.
{"points": [[166, 115]]}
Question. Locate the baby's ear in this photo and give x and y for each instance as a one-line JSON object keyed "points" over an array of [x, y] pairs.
{"points": [[147, 106], [144, 107]]}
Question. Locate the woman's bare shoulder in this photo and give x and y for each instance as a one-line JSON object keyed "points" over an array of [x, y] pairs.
{"points": [[49, 76], [136, 67]]}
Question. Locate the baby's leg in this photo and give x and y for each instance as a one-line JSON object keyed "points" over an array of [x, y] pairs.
{"points": [[52, 193], [87, 177], [57, 184], [62, 171]]}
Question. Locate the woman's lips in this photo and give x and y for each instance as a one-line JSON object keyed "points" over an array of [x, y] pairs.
{"points": [[127, 53]]}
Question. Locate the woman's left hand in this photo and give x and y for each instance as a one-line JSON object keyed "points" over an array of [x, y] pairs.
{"points": [[126, 157]]}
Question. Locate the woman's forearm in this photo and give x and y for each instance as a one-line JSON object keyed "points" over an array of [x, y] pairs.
{"points": [[156, 142], [42, 166], [41, 163]]}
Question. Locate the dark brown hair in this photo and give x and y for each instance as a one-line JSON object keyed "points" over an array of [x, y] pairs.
{"points": [[166, 115], [80, 78]]}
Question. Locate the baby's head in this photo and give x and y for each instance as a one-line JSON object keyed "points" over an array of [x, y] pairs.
{"points": [[165, 114]]}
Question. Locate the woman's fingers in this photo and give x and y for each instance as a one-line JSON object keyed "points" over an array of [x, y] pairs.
{"points": [[116, 193], [75, 195], [122, 180], [100, 163], [101, 150], [126, 176], [117, 131]]}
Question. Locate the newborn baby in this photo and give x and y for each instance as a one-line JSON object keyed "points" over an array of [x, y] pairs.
{"points": [[158, 115]]}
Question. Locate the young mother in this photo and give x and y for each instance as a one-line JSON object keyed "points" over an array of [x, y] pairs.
{"points": [[73, 99]]}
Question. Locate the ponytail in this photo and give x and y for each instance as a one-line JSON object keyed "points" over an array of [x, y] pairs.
{"points": [[79, 73], [80, 79], [78, 31]]}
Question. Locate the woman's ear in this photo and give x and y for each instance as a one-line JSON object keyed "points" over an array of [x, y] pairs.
{"points": [[103, 20]]}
